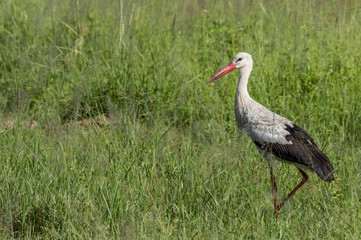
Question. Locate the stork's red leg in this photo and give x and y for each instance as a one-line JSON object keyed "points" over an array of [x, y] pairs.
{"points": [[274, 189], [303, 181]]}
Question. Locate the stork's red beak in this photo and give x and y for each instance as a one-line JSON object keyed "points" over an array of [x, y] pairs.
{"points": [[230, 67]]}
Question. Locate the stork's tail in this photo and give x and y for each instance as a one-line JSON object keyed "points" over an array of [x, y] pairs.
{"points": [[322, 165]]}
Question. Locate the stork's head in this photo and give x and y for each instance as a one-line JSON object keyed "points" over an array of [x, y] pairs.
{"points": [[241, 60]]}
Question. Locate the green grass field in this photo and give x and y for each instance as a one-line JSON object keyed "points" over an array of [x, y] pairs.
{"points": [[108, 130]]}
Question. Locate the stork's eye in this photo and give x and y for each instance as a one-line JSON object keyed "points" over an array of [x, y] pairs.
{"points": [[239, 59]]}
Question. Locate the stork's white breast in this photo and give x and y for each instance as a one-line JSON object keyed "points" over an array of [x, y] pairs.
{"points": [[267, 127]]}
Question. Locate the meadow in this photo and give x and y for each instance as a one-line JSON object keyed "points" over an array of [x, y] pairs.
{"points": [[108, 130]]}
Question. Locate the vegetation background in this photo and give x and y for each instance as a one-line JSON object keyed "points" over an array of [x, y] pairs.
{"points": [[108, 130]]}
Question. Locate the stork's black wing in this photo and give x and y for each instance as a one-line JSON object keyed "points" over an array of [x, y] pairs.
{"points": [[303, 151]]}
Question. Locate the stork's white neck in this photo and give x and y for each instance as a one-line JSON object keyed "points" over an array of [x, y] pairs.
{"points": [[242, 93]]}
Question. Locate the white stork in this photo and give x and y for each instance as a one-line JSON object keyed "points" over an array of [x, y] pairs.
{"points": [[275, 136]]}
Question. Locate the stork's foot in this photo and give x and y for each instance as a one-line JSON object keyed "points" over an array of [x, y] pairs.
{"points": [[279, 206], [276, 212]]}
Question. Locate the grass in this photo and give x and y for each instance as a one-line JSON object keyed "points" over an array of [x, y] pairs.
{"points": [[108, 130]]}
